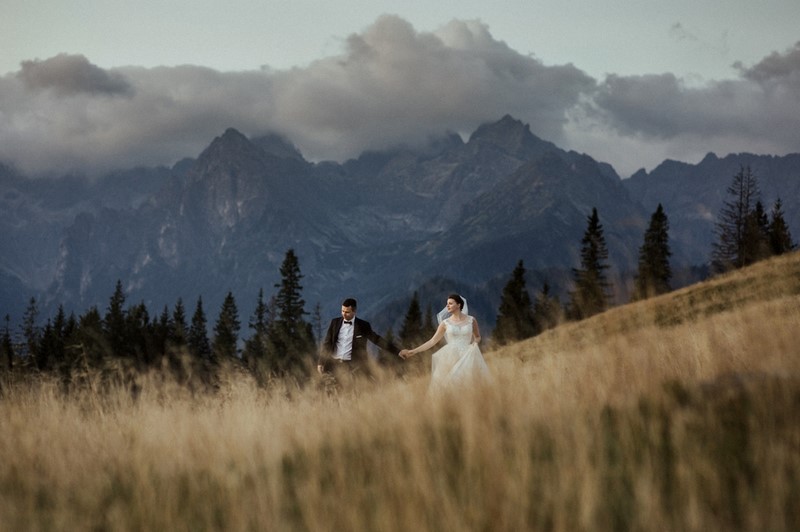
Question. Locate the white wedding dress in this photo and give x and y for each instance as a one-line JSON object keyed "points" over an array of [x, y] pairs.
{"points": [[460, 361]]}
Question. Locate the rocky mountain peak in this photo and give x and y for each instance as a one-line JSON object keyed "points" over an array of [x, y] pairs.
{"points": [[513, 137], [231, 156], [230, 146]]}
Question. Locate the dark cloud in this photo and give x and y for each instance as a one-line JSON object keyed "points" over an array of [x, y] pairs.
{"points": [[396, 85], [71, 74], [775, 68], [391, 84], [757, 111]]}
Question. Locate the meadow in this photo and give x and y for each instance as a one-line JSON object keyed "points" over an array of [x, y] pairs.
{"points": [[681, 412]]}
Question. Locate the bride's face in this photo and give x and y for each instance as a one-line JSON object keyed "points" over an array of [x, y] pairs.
{"points": [[452, 306]]}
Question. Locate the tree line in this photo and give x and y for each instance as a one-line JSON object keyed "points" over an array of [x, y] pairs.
{"points": [[745, 234], [283, 342]]}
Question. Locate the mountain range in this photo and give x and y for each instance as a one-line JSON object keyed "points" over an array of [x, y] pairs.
{"points": [[451, 215]]}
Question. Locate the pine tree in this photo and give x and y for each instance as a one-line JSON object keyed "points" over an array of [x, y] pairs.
{"points": [[52, 345], [290, 338], [546, 310], [756, 235], [428, 324], [590, 296], [31, 331], [114, 322], [226, 330], [177, 327], [7, 346], [47, 345], [158, 336], [198, 333], [411, 332], [780, 239], [58, 349], [138, 336], [655, 272], [730, 250], [255, 348], [515, 315], [91, 340]]}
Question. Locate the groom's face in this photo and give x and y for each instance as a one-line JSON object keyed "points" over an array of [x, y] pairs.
{"points": [[348, 313]]}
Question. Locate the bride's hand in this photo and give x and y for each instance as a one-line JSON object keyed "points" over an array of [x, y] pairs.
{"points": [[405, 353]]}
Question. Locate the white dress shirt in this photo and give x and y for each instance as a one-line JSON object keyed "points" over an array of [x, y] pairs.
{"points": [[344, 346]]}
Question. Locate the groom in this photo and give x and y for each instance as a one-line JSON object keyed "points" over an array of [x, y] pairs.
{"points": [[345, 344]]}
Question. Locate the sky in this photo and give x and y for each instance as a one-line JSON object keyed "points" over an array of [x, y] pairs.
{"points": [[88, 86]]}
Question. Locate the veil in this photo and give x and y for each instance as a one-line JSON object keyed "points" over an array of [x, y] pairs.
{"points": [[443, 314]]}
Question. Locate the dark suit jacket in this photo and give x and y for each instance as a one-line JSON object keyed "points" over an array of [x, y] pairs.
{"points": [[362, 333]]}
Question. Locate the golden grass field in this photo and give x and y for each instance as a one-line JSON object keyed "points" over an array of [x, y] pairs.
{"points": [[677, 413]]}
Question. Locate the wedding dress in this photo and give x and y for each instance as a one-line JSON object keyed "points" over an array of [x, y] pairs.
{"points": [[460, 361]]}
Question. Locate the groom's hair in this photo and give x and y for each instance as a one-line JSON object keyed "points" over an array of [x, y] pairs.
{"points": [[350, 302]]}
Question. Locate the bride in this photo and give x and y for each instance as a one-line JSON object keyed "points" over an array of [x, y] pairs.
{"points": [[460, 361]]}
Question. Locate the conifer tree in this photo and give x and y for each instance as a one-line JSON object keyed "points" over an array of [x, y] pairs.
{"points": [[429, 326], [57, 352], [780, 238], [590, 295], [198, 333], [756, 235], [546, 310], [114, 323], [90, 338], [730, 250], [411, 332], [226, 330], [655, 272], [7, 346], [47, 345], [515, 315], [255, 348], [31, 331], [161, 331], [177, 327], [138, 335], [290, 338]]}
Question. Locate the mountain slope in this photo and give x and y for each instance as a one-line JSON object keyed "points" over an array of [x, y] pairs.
{"points": [[450, 214]]}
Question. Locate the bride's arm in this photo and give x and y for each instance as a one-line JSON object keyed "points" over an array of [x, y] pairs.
{"points": [[438, 335], [476, 333]]}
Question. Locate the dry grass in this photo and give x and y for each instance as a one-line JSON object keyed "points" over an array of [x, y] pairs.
{"points": [[677, 413]]}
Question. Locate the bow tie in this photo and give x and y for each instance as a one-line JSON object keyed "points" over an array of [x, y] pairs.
{"points": [[348, 323]]}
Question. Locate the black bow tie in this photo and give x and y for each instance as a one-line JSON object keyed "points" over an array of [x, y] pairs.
{"points": [[348, 323]]}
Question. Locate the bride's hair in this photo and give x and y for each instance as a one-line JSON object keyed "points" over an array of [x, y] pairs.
{"points": [[460, 301]]}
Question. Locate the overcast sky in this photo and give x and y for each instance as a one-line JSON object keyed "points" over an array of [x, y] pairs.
{"points": [[90, 85]]}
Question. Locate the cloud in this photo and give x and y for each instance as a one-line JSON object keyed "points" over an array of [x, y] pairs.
{"points": [[679, 32], [394, 85], [389, 85], [758, 111], [775, 68], [71, 74]]}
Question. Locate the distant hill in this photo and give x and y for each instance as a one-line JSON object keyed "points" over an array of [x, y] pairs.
{"points": [[772, 284]]}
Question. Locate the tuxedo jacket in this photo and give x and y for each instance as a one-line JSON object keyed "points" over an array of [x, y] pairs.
{"points": [[362, 333]]}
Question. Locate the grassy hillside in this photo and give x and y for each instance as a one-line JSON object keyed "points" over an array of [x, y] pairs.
{"points": [[677, 413]]}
